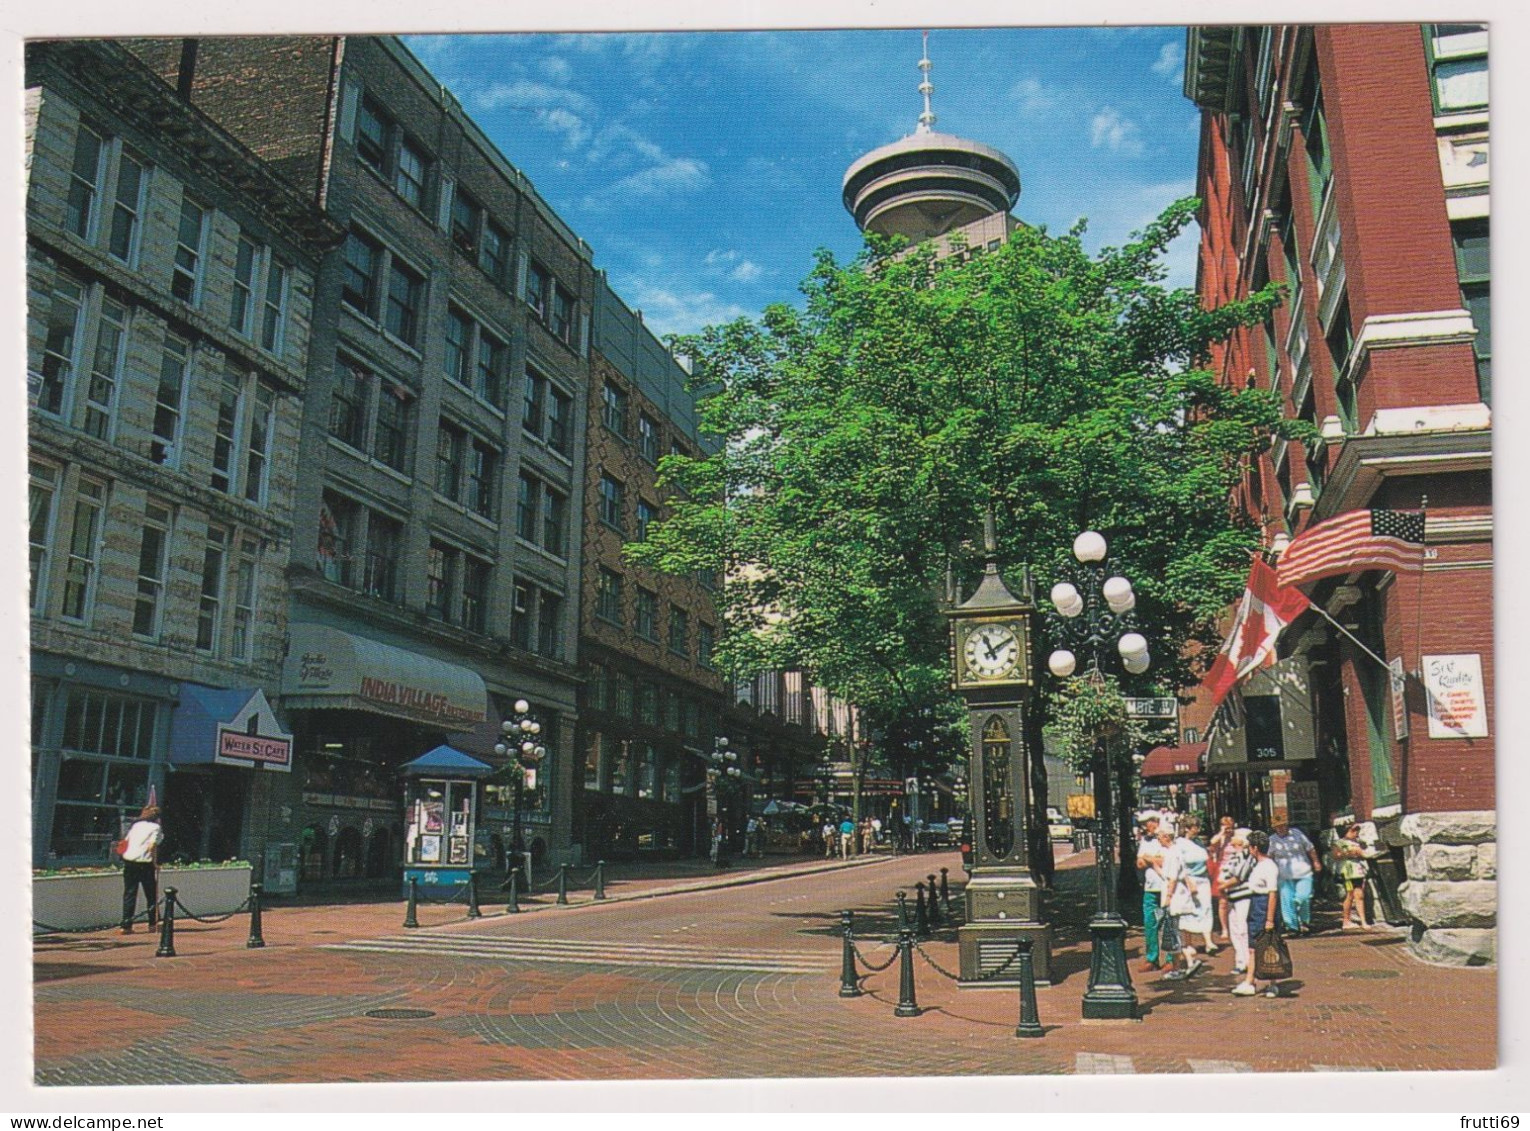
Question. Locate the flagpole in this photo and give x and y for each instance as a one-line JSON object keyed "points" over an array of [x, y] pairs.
{"points": [[1322, 612]]}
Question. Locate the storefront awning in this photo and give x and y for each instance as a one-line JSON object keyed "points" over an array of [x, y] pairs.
{"points": [[1174, 763], [446, 762], [227, 727], [1270, 726], [328, 668]]}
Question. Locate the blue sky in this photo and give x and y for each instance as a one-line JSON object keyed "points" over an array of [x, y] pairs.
{"points": [[704, 168]]}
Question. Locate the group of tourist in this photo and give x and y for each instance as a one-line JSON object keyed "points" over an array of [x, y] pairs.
{"points": [[845, 838], [1233, 887]]}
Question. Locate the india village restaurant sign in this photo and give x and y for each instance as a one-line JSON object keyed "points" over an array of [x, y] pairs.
{"points": [[326, 664]]}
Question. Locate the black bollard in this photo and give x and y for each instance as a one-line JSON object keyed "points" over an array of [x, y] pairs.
{"points": [[562, 883], [600, 879], [945, 894], [409, 916], [167, 927], [849, 986], [256, 939], [934, 904], [902, 912], [907, 1006], [473, 911], [1030, 1023], [921, 916], [513, 882]]}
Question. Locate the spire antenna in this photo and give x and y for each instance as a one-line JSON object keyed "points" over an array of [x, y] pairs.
{"points": [[926, 88]]}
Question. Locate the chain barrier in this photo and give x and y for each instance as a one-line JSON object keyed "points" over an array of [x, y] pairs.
{"points": [[47, 929], [872, 968], [241, 909], [939, 969], [461, 891]]}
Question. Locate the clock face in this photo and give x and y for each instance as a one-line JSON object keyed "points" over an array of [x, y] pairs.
{"points": [[991, 652]]}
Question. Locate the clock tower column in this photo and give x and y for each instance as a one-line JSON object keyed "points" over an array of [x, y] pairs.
{"points": [[993, 668]]}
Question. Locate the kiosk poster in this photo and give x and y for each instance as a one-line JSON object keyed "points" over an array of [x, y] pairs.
{"points": [[459, 823], [1457, 704], [435, 816], [458, 849], [430, 849]]}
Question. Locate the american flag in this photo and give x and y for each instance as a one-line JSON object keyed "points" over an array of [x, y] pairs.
{"points": [[1359, 540]]}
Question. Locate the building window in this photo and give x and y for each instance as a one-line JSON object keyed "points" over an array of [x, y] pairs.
{"points": [[475, 592], [348, 404], [374, 132], [128, 207], [153, 547], [339, 530], [409, 179], [648, 438], [538, 283], [169, 397], [614, 409], [560, 410], [645, 517], [1340, 339], [1319, 158], [1472, 268], [561, 323], [440, 565], [608, 596], [554, 506], [363, 264], [273, 324], [706, 639], [489, 374], [242, 646], [533, 403], [494, 252], [84, 181], [257, 452], [65, 312], [622, 696], [406, 289], [648, 705], [646, 619], [1458, 66], [246, 268], [230, 408], [707, 579], [355, 388], [679, 631], [210, 608], [483, 469], [106, 369], [611, 504], [526, 507], [520, 615], [42, 493], [549, 625], [84, 547], [450, 445], [186, 275], [385, 539], [466, 218], [459, 333]]}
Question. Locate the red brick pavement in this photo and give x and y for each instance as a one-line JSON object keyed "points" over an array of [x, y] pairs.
{"points": [[296, 1012]]}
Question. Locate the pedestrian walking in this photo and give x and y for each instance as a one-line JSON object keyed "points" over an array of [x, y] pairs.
{"points": [[140, 858], [1353, 868], [1237, 863], [830, 838], [1297, 861], [1264, 891], [751, 836], [1149, 862], [1187, 891], [876, 830], [846, 838], [1220, 846]]}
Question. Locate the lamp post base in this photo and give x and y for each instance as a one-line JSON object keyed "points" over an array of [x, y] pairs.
{"points": [[1110, 996]]}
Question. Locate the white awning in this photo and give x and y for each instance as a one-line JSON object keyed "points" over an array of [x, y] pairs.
{"points": [[328, 668]]}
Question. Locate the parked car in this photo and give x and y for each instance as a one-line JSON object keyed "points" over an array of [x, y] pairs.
{"points": [[937, 834]]}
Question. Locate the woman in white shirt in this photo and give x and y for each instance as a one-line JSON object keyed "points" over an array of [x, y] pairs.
{"points": [[1187, 892], [1264, 883]]}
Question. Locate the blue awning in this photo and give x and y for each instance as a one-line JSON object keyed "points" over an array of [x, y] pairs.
{"points": [[227, 726], [446, 761]]}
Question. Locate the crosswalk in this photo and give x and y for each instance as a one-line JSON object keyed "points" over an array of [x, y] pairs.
{"points": [[593, 952]]}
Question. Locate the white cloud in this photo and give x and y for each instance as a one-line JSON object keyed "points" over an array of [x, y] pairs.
{"points": [[570, 125], [524, 94], [1114, 132], [1034, 97], [1170, 62], [556, 68], [620, 147], [733, 266], [667, 311], [1132, 208]]}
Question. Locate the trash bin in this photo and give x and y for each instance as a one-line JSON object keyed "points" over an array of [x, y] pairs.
{"points": [[1386, 876]]}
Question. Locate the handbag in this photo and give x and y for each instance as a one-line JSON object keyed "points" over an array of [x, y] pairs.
{"points": [[1272, 958], [1184, 901], [120, 848]]}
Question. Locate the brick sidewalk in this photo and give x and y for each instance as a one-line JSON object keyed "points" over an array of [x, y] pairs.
{"points": [[297, 1011]]}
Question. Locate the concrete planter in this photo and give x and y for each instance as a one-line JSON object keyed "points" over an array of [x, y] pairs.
{"points": [[94, 899]]}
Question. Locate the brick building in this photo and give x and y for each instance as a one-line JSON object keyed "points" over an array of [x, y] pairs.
{"points": [[1350, 162], [171, 281], [435, 551]]}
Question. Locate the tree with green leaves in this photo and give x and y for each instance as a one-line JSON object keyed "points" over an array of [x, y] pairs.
{"points": [[865, 434]]}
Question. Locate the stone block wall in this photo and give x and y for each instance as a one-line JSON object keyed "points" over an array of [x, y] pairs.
{"points": [[1451, 893]]}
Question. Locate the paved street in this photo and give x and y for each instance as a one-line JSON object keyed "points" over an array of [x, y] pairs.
{"points": [[728, 981]]}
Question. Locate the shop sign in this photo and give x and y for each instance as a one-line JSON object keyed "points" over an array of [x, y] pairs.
{"points": [[1165, 708], [254, 739], [1302, 801], [1399, 682], [1457, 701]]}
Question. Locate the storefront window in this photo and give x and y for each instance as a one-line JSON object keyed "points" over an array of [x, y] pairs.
{"points": [[672, 780], [618, 766], [104, 775], [592, 762], [646, 768]]}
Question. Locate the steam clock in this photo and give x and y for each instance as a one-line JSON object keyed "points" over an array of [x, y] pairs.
{"points": [[992, 665]]}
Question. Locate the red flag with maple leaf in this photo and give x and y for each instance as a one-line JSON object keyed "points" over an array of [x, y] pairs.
{"points": [[1266, 608]]}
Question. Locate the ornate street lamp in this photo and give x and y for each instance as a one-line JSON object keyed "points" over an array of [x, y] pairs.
{"points": [[519, 741], [723, 776], [1093, 609]]}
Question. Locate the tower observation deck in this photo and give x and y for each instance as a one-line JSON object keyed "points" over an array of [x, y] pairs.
{"points": [[927, 184]]}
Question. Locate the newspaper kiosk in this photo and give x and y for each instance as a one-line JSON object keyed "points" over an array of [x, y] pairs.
{"points": [[441, 814]]}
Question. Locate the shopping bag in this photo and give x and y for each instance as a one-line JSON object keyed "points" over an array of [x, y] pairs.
{"points": [[1272, 958]]}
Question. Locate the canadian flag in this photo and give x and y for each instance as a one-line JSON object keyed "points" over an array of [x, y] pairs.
{"points": [[1266, 608]]}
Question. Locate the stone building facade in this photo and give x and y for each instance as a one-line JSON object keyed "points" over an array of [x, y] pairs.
{"points": [[1350, 163], [171, 280], [447, 370]]}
